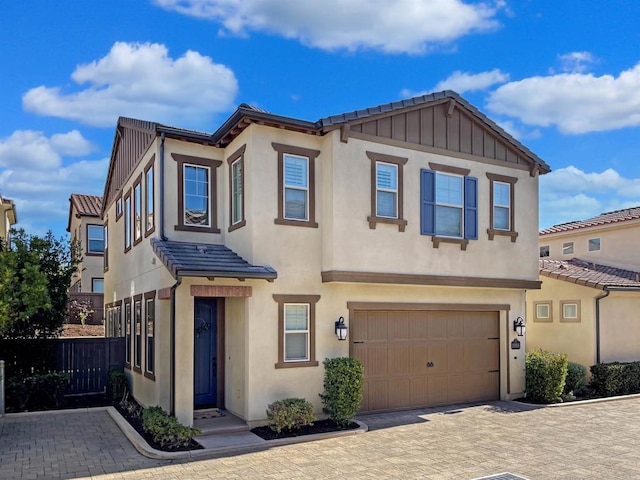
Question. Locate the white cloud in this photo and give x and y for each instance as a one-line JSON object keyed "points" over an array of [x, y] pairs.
{"points": [[517, 131], [32, 149], [403, 26], [143, 81], [576, 62], [573, 102], [468, 82]]}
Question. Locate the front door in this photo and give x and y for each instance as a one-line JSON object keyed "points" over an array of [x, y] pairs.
{"points": [[205, 352]]}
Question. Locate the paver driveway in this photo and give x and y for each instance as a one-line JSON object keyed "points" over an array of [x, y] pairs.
{"points": [[593, 441]]}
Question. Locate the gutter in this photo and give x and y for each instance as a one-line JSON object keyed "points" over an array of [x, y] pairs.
{"points": [[606, 293], [172, 357], [161, 206]]}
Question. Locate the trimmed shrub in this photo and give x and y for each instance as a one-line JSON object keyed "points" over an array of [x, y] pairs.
{"points": [[343, 384], [36, 392], [290, 414], [545, 375], [118, 385], [575, 378], [611, 379], [165, 429]]}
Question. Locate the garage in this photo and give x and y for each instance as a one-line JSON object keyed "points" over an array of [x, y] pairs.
{"points": [[426, 358]]}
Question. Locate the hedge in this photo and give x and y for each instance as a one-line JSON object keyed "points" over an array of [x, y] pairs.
{"points": [[546, 373], [343, 385], [616, 378]]}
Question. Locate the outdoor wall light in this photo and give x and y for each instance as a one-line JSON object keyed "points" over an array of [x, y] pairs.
{"points": [[519, 326], [341, 329]]}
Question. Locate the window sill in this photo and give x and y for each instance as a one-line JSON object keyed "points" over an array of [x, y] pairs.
{"points": [[150, 376], [150, 231], [94, 254], [189, 228], [463, 242], [504, 233], [373, 220], [127, 366], [310, 363], [236, 226], [137, 369], [295, 223]]}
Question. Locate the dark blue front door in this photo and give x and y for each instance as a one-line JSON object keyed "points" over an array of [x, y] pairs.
{"points": [[205, 361]]}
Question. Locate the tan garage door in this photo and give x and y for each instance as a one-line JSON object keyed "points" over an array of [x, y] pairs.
{"points": [[421, 358]]}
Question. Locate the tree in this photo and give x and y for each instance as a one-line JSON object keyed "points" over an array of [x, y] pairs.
{"points": [[35, 274]]}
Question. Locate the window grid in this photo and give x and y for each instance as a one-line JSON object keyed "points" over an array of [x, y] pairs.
{"points": [[294, 313], [127, 331], [95, 239], [150, 334], [296, 187], [137, 213], [390, 190], [196, 196], [150, 201], [237, 188], [501, 206], [449, 199], [137, 346]]}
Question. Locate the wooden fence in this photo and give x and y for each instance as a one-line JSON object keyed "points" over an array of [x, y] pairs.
{"points": [[86, 360], [96, 302]]}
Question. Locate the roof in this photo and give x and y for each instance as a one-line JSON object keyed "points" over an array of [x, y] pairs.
{"points": [[85, 206], [9, 206], [603, 219], [590, 274], [207, 260]]}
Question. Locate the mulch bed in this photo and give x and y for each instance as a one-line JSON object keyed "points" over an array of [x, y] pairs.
{"points": [[320, 426]]}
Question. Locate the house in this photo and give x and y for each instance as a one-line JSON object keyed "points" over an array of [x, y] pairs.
{"points": [[9, 217], [587, 306], [232, 257], [85, 227]]}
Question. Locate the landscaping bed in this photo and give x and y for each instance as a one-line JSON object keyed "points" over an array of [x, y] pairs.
{"points": [[320, 426]]}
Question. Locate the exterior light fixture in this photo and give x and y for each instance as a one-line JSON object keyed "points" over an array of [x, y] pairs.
{"points": [[341, 329], [519, 326]]}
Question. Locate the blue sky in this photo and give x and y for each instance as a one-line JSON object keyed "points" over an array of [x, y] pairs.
{"points": [[562, 77]]}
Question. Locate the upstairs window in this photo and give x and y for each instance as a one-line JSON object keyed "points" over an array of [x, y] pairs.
{"points": [[567, 248], [95, 239], [386, 190], [149, 205], [119, 207], [594, 244], [137, 213], [502, 213], [97, 285], [127, 222], [544, 251], [236, 189], [105, 234]]}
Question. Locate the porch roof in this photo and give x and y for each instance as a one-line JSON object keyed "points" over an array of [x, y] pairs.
{"points": [[190, 259], [590, 274]]}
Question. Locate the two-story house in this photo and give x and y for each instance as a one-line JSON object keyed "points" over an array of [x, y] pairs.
{"points": [[590, 297], [232, 258], [86, 229], [9, 218]]}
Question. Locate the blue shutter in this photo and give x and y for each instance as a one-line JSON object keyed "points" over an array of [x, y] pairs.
{"points": [[427, 202], [471, 208]]}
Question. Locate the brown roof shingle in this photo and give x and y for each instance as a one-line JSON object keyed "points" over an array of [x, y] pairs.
{"points": [[602, 219], [89, 205], [589, 274]]}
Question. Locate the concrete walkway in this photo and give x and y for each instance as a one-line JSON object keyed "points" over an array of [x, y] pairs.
{"points": [[582, 442]]}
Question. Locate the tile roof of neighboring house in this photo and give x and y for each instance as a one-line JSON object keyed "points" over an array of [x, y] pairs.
{"points": [[90, 205], [207, 260], [602, 219], [589, 274]]}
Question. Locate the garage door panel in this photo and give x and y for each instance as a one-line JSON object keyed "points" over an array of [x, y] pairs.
{"points": [[482, 386], [398, 327], [418, 326], [419, 359], [419, 390], [397, 392], [437, 325], [455, 325], [478, 357], [376, 366], [438, 389], [456, 389], [438, 358], [399, 360], [378, 395]]}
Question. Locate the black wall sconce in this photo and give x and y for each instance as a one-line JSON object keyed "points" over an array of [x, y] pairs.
{"points": [[519, 327], [341, 329]]}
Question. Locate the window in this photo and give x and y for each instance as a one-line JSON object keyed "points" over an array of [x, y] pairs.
{"points": [[296, 330], [150, 312], [137, 212], [544, 251], [594, 244], [236, 189], [570, 311], [127, 332], [543, 311], [296, 186], [502, 217], [149, 205], [567, 248], [97, 285], [105, 234], [137, 340], [95, 240], [127, 222], [197, 194], [113, 328], [119, 208], [449, 205], [386, 190]]}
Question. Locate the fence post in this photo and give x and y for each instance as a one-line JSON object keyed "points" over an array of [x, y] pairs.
{"points": [[2, 388]]}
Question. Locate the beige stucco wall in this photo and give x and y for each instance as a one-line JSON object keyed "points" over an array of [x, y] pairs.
{"points": [[92, 265], [620, 327], [618, 244]]}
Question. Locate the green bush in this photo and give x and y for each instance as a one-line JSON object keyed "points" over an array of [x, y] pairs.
{"points": [[290, 414], [575, 378], [36, 392], [343, 384], [165, 429], [118, 385], [545, 375], [18, 393], [611, 379]]}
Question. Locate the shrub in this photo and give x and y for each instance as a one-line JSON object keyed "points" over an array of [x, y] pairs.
{"points": [[343, 384], [18, 392], [290, 414], [575, 378], [118, 385], [52, 388], [610, 379], [165, 429], [36, 392], [545, 375]]}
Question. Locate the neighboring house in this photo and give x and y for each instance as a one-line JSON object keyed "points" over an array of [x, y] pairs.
{"points": [[229, 257], [590, 297], [9, 217]]}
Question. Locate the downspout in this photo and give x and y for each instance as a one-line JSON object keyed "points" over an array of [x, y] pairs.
{"points": [[161, 209], [172, 356], [598, 298]]}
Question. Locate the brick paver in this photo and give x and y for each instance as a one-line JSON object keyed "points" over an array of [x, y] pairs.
{"points": [[593, 441]]}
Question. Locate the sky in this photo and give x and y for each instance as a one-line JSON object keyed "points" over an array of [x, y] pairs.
{"points": [[563, 77]]}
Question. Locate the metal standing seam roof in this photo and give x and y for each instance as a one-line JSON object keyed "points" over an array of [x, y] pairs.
{"points": [[207, 260], [89, 205], [602, 219], [589, 274]]}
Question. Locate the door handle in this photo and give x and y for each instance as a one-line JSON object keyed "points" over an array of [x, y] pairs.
{"points": [[429, 364], [214, 364]]}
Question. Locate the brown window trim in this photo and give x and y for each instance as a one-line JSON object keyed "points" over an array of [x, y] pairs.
{"points": [[492, 232], [137, 183], [463, 242], [126, 197], [373, 219], [136, 298], [311, 300], [87, 253], [578, 318], [150, 296], [439, 167], [127, 308], [149, 166], [97, 278], [119, 199], [311, 155], [238, 155], [105, 234], [213, 192], [535, 311]]}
